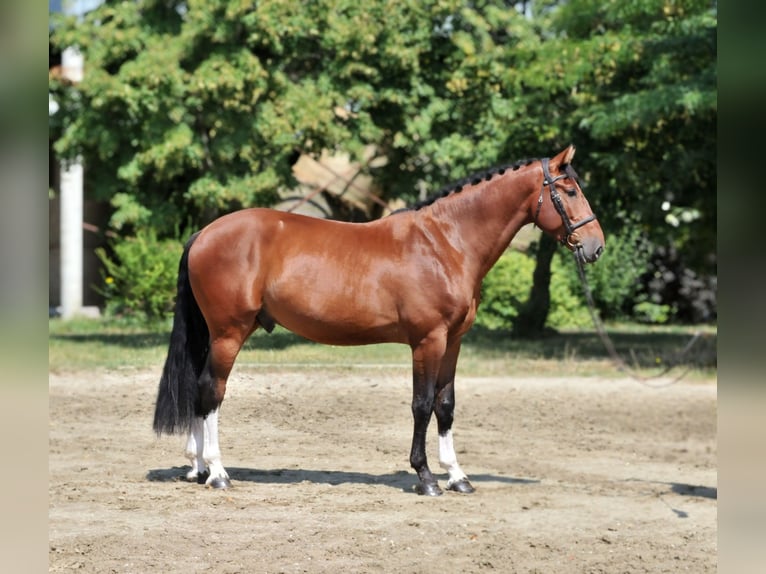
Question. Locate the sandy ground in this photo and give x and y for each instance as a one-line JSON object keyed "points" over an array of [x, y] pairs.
{"points": [[572, 475]]}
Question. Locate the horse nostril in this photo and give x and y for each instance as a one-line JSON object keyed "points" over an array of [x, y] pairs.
{"points": [[599, 251]]}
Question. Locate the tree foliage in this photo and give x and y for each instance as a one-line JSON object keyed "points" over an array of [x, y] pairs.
{"points": [[635, 85], [191, 109], [644, 106]]}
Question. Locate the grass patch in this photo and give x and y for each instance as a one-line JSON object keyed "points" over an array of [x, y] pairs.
{"points": [[111, 344], [97, 343]]}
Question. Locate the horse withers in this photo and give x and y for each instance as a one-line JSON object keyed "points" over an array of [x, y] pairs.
{"points": [[413, 277]]}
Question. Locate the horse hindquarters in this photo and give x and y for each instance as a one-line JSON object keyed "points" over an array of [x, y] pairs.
{"points": [[186, 399]]}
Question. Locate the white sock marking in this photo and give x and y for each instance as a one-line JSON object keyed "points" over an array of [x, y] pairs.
{"points": [[194, 445], [448, 459], [212, 452]]}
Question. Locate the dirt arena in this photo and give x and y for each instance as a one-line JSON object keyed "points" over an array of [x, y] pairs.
{"points": [[572, 475]]}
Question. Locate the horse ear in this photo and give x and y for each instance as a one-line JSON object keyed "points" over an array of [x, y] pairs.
{"points": [[565, 157]]}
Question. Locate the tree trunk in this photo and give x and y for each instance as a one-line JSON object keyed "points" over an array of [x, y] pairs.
{"points": [[530, 322]]}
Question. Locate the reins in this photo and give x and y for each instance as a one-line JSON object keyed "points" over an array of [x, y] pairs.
{"points": [[620, 364], [572, 240]]}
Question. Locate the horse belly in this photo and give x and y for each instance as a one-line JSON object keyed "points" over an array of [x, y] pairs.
{"points": [[336, 320]]}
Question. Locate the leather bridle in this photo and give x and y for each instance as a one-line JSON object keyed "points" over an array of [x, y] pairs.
{"points": [[571, 238]]}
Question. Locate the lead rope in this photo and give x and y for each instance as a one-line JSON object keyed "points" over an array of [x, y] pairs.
{"points": [[620, 364]]}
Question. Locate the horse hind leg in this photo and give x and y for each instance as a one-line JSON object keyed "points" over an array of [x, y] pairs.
{"points": [[218, 477], [195, 451], [212, 383], [204, 453]]}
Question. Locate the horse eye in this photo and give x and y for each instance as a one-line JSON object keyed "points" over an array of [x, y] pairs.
{"points": [[571, 192]]}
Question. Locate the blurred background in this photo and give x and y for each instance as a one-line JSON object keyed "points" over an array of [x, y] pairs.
{"points": [[164, 115]]}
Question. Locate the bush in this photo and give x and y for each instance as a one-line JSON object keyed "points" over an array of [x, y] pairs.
{"points": [[647, 312], [670, 283], [505, 289], [615, 278], [507, 286], [614, 281], [139, 276], [568, 306]]}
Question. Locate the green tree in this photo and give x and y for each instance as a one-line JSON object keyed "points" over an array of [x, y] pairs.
{"points": [[192, 109], [646, 111], [634, 84]]}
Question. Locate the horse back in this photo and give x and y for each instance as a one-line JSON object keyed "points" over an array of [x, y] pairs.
{"points": [[333, 282]]}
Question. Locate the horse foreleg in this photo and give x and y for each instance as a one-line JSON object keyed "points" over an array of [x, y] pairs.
{"points": [[422, 407], [425, 359], [444, 408]]}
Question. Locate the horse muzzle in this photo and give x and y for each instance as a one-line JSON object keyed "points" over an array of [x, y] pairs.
{"points": [[587, 250]]}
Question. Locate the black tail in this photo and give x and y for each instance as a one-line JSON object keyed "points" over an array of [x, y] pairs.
{"points": [[178, 395]]}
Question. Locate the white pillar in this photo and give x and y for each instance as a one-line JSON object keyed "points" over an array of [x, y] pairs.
{"points": [[71, 203], [71, 239]]}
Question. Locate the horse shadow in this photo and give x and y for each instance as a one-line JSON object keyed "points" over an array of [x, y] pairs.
{"points": [[688, 490], [641, 348], [683, 488], [694, 490], [401, 480]]}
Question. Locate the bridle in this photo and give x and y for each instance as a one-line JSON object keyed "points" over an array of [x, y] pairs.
{"points": [[571, 238]]}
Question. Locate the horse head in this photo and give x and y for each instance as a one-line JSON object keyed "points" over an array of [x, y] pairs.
{"points": [[562, 211]]}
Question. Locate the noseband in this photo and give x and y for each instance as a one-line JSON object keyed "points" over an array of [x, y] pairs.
{"points": [[571, 238]]}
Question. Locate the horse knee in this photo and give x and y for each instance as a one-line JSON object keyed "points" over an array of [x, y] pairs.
{"points": [[212, 381], [422, 407]]}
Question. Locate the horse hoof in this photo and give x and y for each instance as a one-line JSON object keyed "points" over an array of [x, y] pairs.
{"points": [[462, 486], [201, 477], [428, 489], [219, 482]]}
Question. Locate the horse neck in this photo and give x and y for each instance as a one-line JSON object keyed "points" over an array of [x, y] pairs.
{"points": [[483, 218]]}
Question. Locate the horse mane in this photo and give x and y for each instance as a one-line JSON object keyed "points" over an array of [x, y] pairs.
{"points": [[475, 179]]}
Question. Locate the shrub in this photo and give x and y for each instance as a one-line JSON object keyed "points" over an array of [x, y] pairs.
{"points": [[568, 306], [507, 286], [615, 278], [648, 312], [670, 283], [139, 276], [505, 289]]}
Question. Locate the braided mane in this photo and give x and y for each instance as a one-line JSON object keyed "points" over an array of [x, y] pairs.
{"points": [[474, 179]]}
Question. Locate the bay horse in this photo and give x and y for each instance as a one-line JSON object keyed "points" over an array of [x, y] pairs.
{"points": [[413, 277]]}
